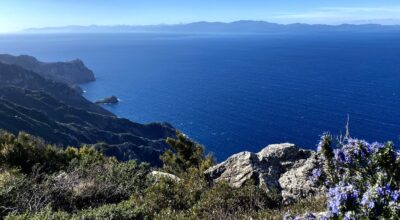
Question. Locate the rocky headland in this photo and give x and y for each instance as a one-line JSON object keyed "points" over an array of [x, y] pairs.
{"points": [[72, 72]]}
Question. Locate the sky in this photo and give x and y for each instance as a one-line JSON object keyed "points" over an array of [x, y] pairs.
{"points": [[16, 15]]}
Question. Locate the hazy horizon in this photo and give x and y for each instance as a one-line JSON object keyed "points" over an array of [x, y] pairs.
{"points": [[77, 26], [22, 14]]}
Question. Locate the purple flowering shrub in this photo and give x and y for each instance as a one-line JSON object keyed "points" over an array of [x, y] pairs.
{"points": [[363, 179]]}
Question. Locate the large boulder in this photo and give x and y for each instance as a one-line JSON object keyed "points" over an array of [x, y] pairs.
{"points": [[282, 169]]}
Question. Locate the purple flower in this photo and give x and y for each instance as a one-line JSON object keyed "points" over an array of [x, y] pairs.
{"points": [[315, 175], [339, 155], [323, 217], [375, 147], [333, 208], [388, 189], [310, 216], [357, 152], [347, 216], [355, 194], [319, 146], [395, 196], [352, 141], [367, 201], [380, 191], [342, 197], [397, 154]]}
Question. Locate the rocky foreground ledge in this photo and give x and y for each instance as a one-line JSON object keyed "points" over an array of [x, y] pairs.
{"points": [[284, 169]]}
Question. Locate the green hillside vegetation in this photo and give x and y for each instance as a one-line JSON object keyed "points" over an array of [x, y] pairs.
{"points": [[57, 113], [42, 181]]}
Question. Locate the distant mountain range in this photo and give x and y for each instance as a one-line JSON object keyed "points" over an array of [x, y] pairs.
{"points": [[244, 26]]}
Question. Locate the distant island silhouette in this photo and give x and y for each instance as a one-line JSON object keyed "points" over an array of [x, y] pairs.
{"points": [[242, 26]]}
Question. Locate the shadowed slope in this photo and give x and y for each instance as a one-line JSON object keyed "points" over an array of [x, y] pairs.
{"points": [[57, 113]]}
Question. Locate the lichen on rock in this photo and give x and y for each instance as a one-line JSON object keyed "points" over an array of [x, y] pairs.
{"points": [[283, 169]]}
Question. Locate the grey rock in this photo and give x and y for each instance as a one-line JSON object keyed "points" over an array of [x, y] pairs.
{"points": [[283, 169], [160, 175]]}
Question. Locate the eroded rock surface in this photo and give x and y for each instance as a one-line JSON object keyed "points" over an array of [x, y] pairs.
{"points": [[159, 175], [284, 169]]}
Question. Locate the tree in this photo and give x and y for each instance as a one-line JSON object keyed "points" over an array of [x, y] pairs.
{"points": [[185, 154]]}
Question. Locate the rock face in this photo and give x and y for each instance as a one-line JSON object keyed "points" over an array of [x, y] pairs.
{"points": [[72, 72], [108, 100], [282, 169], [159, 175]]}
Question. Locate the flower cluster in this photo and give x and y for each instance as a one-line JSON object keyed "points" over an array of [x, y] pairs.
{"points": [[316, 175], [342, 197], [356, 152], [306, 216], [380, 200], [364, 178]]}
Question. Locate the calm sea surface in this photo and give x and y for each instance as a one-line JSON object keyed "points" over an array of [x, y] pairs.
{"points": [[235, 93]]}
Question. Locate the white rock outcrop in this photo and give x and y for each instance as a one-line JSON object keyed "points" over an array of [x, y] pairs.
{"points": [[284, 169], [159, 175]]}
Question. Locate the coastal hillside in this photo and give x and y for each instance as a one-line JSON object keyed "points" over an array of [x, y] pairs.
{"points": [[73, 72], [16, 76], [61, 115]]}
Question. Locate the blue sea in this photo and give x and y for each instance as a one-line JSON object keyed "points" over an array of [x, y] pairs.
{"points": [[240, 92]]}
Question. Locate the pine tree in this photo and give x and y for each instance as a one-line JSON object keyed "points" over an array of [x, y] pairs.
{"points": [[185, 154]]}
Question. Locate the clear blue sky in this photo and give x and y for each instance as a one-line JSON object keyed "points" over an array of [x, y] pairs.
{"points": [[19, 14]]}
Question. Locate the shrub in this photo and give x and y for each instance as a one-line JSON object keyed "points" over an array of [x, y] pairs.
{"points": [[363, 178], [34, 175], [93, 186], [225, 202], [46, 213], [185, 154], [171, 194], [26, 152], [121, 211]]}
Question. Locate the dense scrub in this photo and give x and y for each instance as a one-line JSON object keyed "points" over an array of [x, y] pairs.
{"points": [[41, 181]]}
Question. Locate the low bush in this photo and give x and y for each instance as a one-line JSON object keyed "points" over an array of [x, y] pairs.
{"points": [[40, 181], [363, 179]]}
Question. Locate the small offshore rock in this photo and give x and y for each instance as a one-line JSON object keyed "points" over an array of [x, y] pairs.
{"points": [[108, 100]]}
